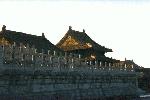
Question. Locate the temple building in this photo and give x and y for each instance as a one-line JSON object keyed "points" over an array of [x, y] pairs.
{"points": [[32, 67], [80, 43], [39, 42]]}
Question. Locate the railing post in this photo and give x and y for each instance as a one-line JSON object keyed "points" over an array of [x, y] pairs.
{"points": [[110, 66], [85, 62], [48, 52], [100, 64], [90, 62], [79, 56], [125, 66], [59, 66], [72, 63], [54, 53], [105, 66], [95, 64]]}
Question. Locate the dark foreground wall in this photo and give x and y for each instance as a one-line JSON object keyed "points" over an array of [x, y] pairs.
{"points": [[144, 81], [59, 97]]}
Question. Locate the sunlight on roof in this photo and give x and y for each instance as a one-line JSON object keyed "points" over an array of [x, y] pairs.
{"points": [[89, 45], [92, 56]]}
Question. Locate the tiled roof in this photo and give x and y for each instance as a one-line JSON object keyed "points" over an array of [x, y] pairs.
{"points": [[39, 42], [83, 39]]}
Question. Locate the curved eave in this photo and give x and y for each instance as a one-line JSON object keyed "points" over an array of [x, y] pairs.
{"points": [[108, 50]]}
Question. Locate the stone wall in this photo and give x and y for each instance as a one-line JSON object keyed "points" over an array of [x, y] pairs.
{"points": [[23, 71]]}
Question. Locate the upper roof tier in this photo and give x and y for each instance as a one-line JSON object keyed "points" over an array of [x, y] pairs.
{"points": [[39, 42], [75, 40]]}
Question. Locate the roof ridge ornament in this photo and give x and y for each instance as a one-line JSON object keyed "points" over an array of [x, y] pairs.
{"points": [[43, 35], [70, 27], [83, 30], [4, 28]]}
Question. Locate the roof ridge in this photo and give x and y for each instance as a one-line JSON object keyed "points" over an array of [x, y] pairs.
{"points": [[22, 33]]}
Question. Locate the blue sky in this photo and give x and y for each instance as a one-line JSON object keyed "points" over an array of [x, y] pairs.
{"points": [[120, 25]]}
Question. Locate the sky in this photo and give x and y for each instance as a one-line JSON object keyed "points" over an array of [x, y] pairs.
{"points": [[122, 25]]}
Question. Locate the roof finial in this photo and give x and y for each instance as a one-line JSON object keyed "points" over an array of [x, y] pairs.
{"points": [[43, 35], [70, 28], [3, 28], [83, 30]]}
